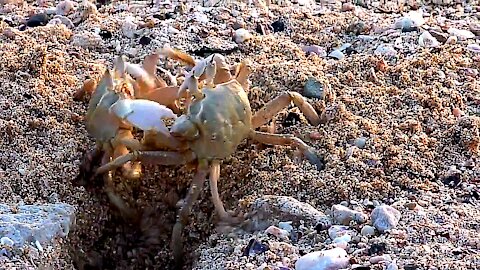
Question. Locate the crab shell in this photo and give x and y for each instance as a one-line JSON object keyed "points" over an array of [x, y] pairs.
{"points": [[217, 123]]}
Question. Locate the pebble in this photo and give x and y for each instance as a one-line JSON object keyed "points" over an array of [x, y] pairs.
{"points": [[278, 26], [337, 54], [335, 258], [473, 48], [241, 35], [269, 209], [427, 40], [343, 215], [145, 40], [411, 205], [347, 7], [378, 259], [255, 247], [451, 40], [313, 89], [129, 27], [368, 230], [277, 232], [342, 241], [439, 35], [460, 33], [385, 218], [360, 142], [287, 226], [320, 51], [6, 241], [37, 20], [385, 50], [392, 266], [59, 19], [337, 231], [64, 7]]}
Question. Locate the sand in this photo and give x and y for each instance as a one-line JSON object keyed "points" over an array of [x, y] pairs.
{"points": [[418, 112]]}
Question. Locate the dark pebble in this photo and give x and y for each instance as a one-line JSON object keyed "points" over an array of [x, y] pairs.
{"points": [[7, 21], [322, 226], [145, 40], [278, 26], [410, 267], [362, 268], [452, 180], [377, 249], [313, 89], [37, 20], [105, 34], [409, 29], [255, 247], [439, 35], [357, 28]]}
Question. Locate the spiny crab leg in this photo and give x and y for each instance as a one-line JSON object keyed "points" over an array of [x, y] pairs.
{"points": [[279, 103], [151, 157], [182, 217], [287, 139]]}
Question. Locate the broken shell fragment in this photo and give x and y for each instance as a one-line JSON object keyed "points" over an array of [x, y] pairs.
{"points": [[143, 114]]}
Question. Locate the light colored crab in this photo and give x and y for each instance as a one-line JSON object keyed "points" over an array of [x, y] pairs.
{"points": [[217, 120]]}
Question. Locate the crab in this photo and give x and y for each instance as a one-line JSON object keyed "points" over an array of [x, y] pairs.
{"points": [[218, 119]]}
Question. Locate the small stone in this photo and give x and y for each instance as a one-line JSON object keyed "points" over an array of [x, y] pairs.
{"points": [[337, 231], [145, 40], [473, 48], [315, 135], [411, 205], [385, 218], [105, 34], [392, 266], [64, 7], [255, 247], [313, 89], [440, 36], [379, 259], [360, 142], [357, 28], [6, 241], [287, 226], [22, 171], [238, 24], [129, 27], [241, 35], [320, 51], [343, 215], [427, 40], [37, 20], [456, 112], [347, 7], [368, 230], [277, 232], [278, 26], [337, 54], [451, 40], [336, 258], [385, 50], [460, 33]]}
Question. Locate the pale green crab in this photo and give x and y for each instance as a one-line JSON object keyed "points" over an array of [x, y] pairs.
{"points": [[218, 118]]}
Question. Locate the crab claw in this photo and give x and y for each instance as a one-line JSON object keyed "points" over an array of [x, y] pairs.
{"points": [[144, 114]]}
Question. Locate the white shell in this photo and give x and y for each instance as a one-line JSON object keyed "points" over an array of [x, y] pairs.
{"points": [[336, 258], [143, 114]]}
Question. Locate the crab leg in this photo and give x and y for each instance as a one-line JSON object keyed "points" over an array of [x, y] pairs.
{"points": [[166, 96], [182, 217], [287, 139], [276, 105], [123, 138], [217, 202], [153, 157]]}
